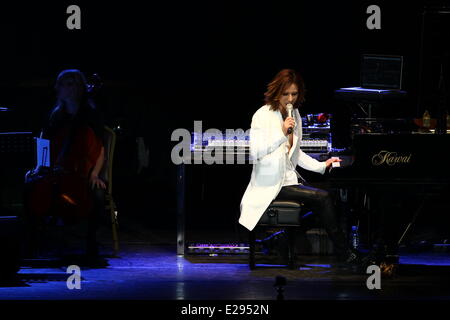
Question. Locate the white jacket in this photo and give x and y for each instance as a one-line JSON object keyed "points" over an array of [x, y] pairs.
{"points": [[268, 151]]}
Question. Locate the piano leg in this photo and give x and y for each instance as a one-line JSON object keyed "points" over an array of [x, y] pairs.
{"points": [[413, 220]]}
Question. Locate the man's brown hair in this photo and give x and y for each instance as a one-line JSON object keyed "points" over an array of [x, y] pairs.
{"points": [[282, 81]]}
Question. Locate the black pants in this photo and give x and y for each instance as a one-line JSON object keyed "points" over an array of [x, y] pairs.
{"points": [[321, 203], [98, 210]]}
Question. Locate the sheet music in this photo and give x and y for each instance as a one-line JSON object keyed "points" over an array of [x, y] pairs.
{"points": [[43, 152]]}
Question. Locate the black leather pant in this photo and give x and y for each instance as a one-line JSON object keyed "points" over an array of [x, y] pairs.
{"points": [[321, 203]]}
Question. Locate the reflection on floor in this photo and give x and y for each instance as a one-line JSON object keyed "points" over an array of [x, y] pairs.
{"points": [[146, 271]]}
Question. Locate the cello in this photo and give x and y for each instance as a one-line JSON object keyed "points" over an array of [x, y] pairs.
{"points": [[62, 190]]}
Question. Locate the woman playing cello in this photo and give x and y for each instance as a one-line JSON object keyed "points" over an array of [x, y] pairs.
{"points": [[75, 130]]}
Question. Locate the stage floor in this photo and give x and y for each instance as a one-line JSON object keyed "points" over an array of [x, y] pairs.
{"points": [[148, 268], [155, 272]]}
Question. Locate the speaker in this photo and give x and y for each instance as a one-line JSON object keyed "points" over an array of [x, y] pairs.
{"points": [[10, 246], [17, 156]]}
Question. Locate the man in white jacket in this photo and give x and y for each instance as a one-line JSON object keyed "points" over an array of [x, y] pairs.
{"points": [[275, 152]]}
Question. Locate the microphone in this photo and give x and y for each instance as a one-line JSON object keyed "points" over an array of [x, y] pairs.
{"points": [[289, 110]]}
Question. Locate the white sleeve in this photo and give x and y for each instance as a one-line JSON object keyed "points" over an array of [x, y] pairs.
{"points": [[307, 162], [264, 141]]}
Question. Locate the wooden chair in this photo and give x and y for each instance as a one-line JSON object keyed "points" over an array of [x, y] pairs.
{"points": [[106, 175]]}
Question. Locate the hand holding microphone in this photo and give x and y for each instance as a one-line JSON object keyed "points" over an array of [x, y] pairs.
{"points": [[289, 123]]}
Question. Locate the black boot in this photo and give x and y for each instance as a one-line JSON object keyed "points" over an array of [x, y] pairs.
{"points": [[346, 255], [352, 257]]}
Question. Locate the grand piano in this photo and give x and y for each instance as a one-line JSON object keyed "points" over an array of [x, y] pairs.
{"points": [[391, 179]]}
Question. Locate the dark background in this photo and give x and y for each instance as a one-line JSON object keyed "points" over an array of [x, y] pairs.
{"points": [[166, 64]]}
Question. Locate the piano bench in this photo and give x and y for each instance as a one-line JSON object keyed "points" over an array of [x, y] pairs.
{"points": [[280, 213]]}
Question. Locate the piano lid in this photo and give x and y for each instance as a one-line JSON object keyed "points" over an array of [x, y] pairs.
{"points": [[421, 157]]}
